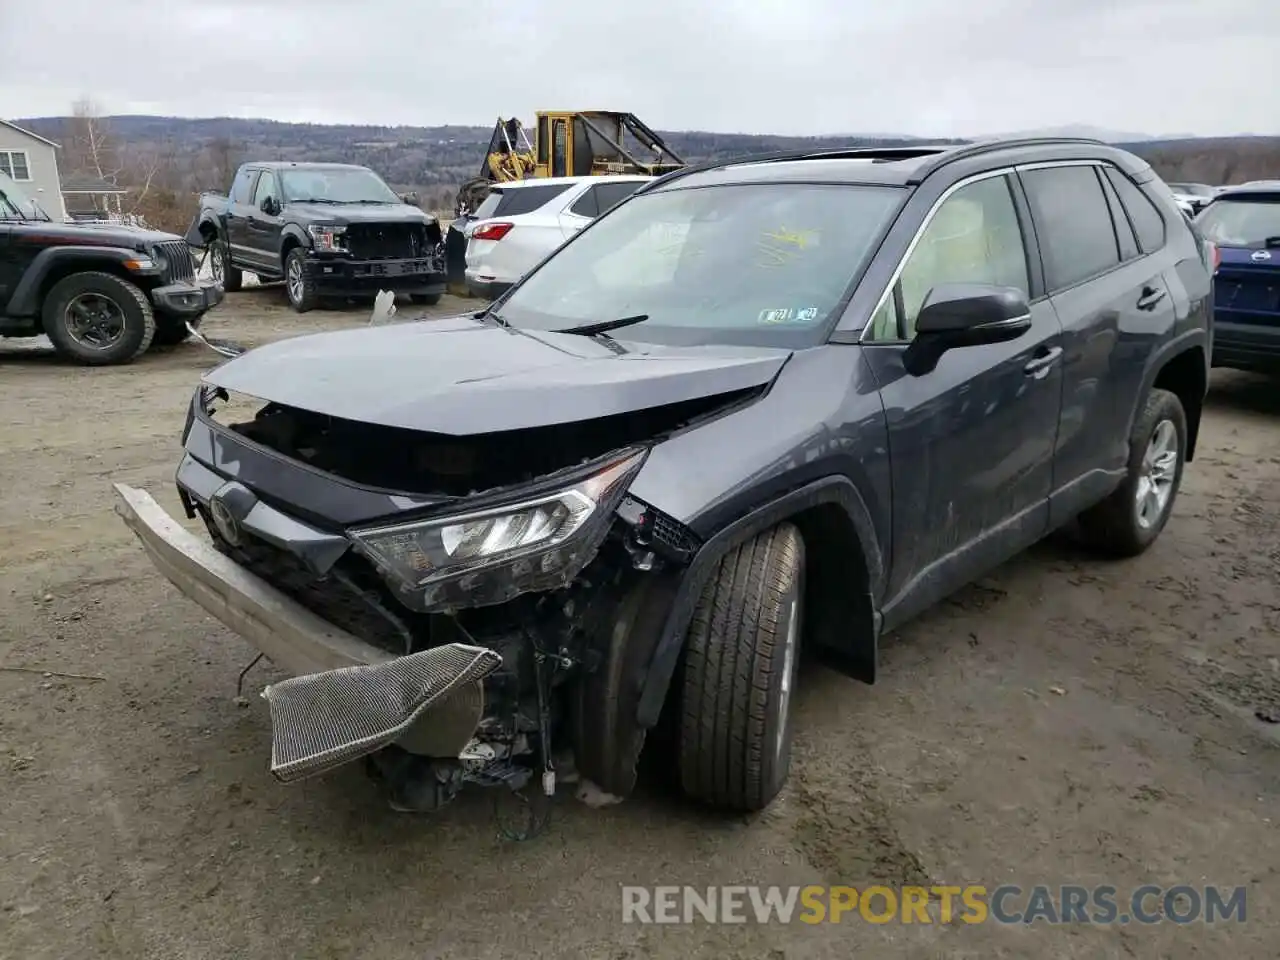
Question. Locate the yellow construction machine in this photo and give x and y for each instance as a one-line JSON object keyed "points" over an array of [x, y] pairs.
{"points": [[568, 143]]}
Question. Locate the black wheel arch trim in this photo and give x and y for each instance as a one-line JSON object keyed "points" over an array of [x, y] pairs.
{"points": [[26, 299], [839, 490], [1186, 341]]}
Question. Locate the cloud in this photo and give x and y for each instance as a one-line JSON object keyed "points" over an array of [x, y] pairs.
{"points": [[784, 66]]}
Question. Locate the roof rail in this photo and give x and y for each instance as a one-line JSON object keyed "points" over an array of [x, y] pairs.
{"points": [[935, 154], [978, 148], [885, 153]]}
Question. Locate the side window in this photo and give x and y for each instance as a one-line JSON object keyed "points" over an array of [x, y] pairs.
{"points": [[974, 237], [1120, 220], [1146, 218], [1073, 223], [611, 194], [241, 186], [266, 188], [586, 205]]}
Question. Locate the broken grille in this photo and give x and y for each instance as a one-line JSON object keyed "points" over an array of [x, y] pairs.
{"points": [[385, 241]]}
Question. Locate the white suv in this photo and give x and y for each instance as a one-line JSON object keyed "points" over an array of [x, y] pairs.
{"points": [[521, 222]]}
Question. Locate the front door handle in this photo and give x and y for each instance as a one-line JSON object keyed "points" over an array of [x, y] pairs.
{"points": [[1150, 297], [1038, 367]]}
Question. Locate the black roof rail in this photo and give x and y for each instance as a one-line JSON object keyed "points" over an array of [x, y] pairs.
{"points": [[978, 148], [884, 153]]}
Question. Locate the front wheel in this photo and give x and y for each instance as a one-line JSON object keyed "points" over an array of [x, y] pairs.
{"points": [[301, 289], [98, 319], [425, 299], [231, 278], [1128, 522], [739, 674]]}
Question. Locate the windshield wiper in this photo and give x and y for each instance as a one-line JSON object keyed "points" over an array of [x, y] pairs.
{"points": [[313, 200], [604, 326]]}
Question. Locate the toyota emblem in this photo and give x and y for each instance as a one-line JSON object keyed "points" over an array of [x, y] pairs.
{"points": [[227, 525], [1260, 255]]}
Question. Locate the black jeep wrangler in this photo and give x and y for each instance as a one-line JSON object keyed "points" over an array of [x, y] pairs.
{"points": [[101, 294]]}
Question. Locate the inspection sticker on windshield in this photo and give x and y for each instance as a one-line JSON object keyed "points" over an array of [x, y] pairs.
{"points": [[788, 315]]}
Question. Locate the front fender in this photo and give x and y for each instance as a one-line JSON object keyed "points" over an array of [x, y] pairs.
{"points": [[838, 490], [27, 295], [294, 234], [1160, 358]]}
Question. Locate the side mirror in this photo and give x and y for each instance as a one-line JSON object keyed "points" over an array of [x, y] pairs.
{"points": [[269, 206], [409, 198], [965, 315]]}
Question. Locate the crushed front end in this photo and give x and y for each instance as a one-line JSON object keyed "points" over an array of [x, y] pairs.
{"points": [[362, 257], [440, 602]]}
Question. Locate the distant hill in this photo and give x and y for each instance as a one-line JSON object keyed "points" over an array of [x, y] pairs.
{"points": [[199, 154]]}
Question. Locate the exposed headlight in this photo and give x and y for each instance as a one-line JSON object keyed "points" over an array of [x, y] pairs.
{"points": [[489, 556], [326, 236]]}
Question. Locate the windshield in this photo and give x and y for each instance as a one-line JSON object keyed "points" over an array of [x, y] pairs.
{"points": [[14, 202], [335, 185], [1241, 223], [762, 264]]}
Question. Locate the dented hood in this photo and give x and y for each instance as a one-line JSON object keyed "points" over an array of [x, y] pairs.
{"points": [[461, 376]]}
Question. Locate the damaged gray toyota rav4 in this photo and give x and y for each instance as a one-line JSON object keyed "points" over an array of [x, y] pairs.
{"points": [[758, 407]]}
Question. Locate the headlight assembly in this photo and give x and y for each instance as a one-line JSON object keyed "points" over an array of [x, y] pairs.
{"points": [[327, 237], [491, 555]]}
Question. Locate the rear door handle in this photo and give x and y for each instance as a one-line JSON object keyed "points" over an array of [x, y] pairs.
{"points": [[1039, 366], [1150, 297]]}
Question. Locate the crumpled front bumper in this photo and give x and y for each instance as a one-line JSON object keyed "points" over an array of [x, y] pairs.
{"points": [[347, 698]]}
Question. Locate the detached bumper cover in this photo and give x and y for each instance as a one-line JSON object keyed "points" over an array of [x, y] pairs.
{"points": [[188, 299], [347, 698]]}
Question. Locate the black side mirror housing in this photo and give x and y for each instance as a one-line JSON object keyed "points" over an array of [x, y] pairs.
{"points": [[409, 198], [965, 315], [269, 206]]}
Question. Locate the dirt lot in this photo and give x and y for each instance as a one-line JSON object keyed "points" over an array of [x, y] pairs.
{"points": [[1064, 721]]}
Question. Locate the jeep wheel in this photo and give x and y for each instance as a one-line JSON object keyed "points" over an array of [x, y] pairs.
{"points": [[231, 278], [1128, 521], [739, 673], [98, 319], [300, 288]]}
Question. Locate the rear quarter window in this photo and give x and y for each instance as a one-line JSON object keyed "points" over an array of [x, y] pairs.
{"points": [[1147, 222], [527, 199]]}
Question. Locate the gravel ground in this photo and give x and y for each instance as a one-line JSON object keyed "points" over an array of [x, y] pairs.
{"points": [[1063, 721]]}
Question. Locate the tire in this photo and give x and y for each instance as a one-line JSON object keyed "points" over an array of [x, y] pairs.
{"points": [[740, 666], [298, 287], [1117, 526], [127, 334], [425, 299], [170, 331], [220, 263]]}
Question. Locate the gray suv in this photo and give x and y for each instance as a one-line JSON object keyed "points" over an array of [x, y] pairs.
{"points": [[780, 403]]}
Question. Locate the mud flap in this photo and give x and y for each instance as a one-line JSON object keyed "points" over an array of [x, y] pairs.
{"points": [[324, 720]]}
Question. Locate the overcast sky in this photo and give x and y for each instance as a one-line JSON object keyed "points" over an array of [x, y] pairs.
{"points": [[927, 67]]}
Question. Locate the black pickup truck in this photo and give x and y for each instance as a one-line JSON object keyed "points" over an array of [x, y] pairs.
{"points": [[326, 229]]}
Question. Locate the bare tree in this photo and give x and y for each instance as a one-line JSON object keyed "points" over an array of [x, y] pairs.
{"points": [[88, 145]]}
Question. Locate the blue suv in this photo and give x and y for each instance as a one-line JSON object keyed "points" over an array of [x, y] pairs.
{"points": [[1244, 224]]}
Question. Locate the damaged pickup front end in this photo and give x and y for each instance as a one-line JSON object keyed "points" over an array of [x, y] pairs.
{"points": [[454, 607]]}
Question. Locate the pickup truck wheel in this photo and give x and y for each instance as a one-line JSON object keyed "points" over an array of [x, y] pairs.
{"points": [[1128, 522], [739, 673], [425, 299], [98, 319], [299, 287], [231, 278]]}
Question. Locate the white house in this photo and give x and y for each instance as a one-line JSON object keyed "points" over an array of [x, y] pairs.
{"points": [[32, 161]]}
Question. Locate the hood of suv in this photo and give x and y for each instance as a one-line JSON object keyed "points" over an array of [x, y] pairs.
{"points": [[462, 377], [348, 213], [103, 235]]}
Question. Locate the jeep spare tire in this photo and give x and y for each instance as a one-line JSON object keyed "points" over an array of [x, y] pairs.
{"points": [[739, 673], [98, 319]]}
